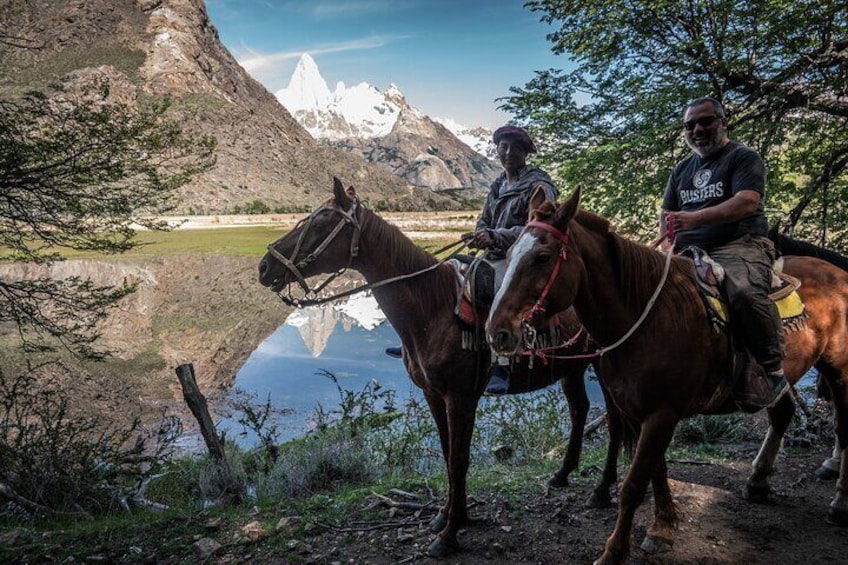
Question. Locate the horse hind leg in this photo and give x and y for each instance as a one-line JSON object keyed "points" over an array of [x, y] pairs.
{"points": [[757, 488], [837, 513], [600, 497], [838, 510]]}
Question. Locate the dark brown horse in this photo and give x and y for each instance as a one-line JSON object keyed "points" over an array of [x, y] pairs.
{"points": [[344, 233], [671, 366]]}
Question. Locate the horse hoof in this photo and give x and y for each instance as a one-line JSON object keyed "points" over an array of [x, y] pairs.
{"points": [[757, 494], [599, 499], [442, 548], [653, 545], [825, 474], [438, 523], [557, 482], [837, 517]]}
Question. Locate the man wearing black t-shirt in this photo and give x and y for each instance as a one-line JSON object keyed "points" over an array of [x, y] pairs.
{"points": [[714, 200]]}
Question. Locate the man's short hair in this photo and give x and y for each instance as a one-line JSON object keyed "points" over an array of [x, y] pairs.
{"points": [[717, 106]]}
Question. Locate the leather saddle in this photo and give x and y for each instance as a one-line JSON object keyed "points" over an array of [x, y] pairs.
{"points": [[710, 276], [478, 279], [745, 381]]}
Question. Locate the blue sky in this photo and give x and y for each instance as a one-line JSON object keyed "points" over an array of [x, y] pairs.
{"points": [[451, 58]]}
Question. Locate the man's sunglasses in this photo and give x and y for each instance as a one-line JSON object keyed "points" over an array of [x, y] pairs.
{"points": [[704, 122]]}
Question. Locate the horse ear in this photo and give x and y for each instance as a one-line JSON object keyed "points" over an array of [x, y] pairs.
{"points": [[351, 192], [342, 200], [537, 198], [568, 209]]}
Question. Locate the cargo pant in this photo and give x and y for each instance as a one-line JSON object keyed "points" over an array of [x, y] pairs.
{"points": [[747, 263]]}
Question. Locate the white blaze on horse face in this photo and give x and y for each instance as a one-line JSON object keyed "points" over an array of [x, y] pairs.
{"points": [[517, 252]]}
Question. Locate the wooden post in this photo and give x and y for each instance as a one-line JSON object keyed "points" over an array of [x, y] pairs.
{"points": [[197, 404]]}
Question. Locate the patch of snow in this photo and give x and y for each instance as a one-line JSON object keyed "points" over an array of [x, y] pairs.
{"points": [[363, 308], [477, 138]]}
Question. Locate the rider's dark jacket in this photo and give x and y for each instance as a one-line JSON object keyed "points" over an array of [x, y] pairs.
{"points": [[507, 205]]}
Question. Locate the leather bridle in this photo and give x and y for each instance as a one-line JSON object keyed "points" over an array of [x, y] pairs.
{"points": [[539, 307], [295, 268], [348, 217]]}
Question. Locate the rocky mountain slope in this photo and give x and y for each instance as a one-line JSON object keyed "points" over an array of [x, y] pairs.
{"points": [[169, 47], [387, 130]]}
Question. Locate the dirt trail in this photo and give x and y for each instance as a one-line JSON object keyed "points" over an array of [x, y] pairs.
{"points": [[718, 526]]}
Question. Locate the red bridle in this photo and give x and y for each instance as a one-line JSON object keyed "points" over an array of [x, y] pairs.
{"points": [[538, 308]]}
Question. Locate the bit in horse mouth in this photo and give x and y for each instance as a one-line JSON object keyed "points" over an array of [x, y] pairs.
{"points": [[277, 285]]}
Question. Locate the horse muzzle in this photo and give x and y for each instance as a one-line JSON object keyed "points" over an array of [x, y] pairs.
{"points": [[273, 276], [503, 341]]}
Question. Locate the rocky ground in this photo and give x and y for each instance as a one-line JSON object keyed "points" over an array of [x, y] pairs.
{"points": [[542, 526], [524, 524]]}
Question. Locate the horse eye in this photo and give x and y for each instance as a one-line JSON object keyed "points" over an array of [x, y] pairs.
{"points": [[542, 259]]}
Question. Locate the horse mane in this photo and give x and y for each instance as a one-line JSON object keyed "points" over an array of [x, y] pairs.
{"points": [[409, 258], [638, 267], [789, 246]]}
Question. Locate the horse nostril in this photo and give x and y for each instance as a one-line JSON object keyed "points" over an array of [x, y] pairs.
{"points": [[503, 340], [263, 268]]}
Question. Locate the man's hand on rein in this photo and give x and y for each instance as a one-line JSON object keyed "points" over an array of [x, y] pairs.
{"points": [[480, 239]]}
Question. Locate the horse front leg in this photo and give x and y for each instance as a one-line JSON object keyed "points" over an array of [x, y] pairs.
{"points": [[660, 535], [654, 438], [574, 387], [439, 412], [757, 488], [600, 497], [461, 412]]}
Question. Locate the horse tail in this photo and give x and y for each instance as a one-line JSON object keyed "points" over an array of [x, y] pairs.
{"points": [[629, 437], [789, 246]]}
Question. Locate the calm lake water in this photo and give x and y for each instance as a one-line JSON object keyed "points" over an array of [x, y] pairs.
{"points": [[347, 340]]}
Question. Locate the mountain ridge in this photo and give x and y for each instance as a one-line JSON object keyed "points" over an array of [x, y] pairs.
{"points": [[170, 48], [385, 129]]}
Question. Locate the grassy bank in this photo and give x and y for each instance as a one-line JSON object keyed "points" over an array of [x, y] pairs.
{"points": [[241, 240]]}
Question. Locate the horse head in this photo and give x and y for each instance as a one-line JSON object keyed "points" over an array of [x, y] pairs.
{"points": [[326, 241], [542, 275]]}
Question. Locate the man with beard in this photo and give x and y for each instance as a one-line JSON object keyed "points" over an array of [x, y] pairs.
{"points": [[714, 201]]}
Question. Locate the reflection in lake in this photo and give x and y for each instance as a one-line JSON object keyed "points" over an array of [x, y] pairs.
{"points": [[346, 339]]}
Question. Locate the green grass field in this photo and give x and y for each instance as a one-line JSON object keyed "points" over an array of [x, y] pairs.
{"points": [[242, 240]]}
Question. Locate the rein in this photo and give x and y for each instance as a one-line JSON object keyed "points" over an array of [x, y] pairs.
{"points": [[529, 331], [349, 216]]}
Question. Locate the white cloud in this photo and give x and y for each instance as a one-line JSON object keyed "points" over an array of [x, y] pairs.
{"points": [[253, 61]]}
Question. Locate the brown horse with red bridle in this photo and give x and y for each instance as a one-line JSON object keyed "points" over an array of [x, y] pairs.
{"points": [[660, 358], [418, 294]]}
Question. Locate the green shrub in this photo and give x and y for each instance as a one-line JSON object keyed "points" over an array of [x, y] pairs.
{"points": [[710, 429], [50, 462]]}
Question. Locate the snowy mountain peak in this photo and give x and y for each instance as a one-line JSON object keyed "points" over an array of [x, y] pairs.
{"points": [[307, 89], [360, 111], [385, 128], [479, 138]]}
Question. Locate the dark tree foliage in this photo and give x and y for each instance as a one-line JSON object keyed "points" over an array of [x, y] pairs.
{"points": [[80, 172], [613, 120]]}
